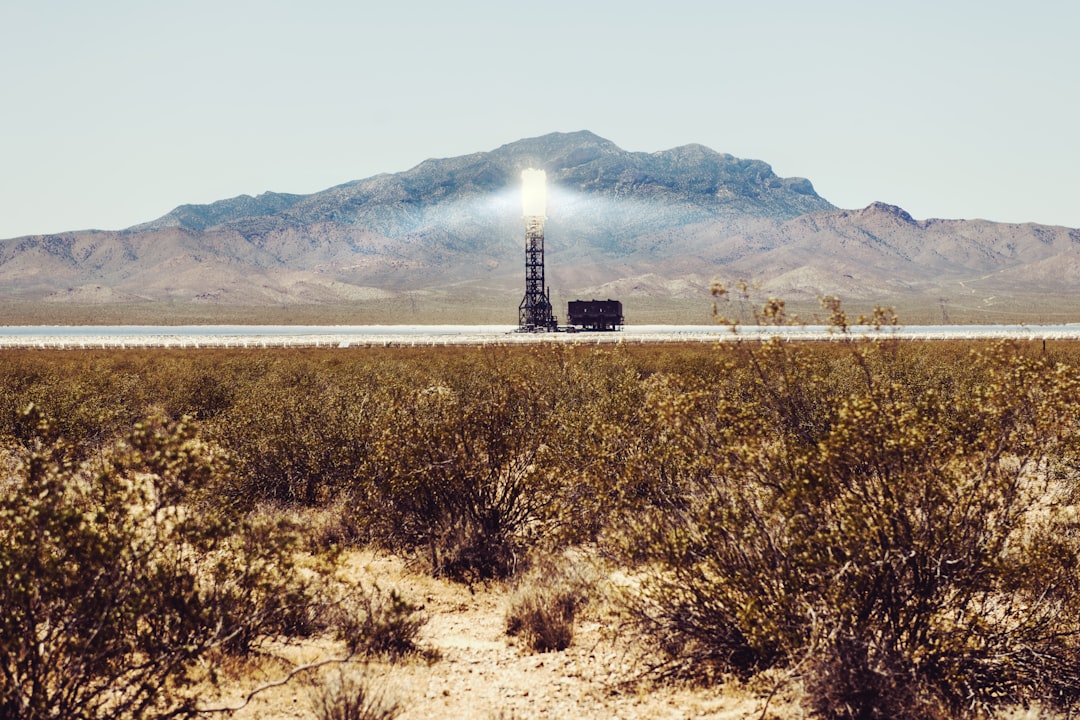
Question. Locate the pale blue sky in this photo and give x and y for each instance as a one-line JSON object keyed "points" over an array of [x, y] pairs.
{"points": [[113, 112]]}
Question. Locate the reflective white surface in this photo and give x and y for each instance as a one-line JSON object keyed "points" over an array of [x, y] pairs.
{"points": [[255, 336]]}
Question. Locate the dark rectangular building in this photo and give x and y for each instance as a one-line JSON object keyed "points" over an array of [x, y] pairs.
{"points": [[595, 314]]}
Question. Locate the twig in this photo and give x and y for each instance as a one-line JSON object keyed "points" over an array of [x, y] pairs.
{"points": [[276, 683]]}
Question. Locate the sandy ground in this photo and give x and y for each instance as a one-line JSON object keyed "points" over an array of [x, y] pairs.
{"points": [[481, 673]]}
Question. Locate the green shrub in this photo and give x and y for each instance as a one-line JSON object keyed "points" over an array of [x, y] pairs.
{"points": [[376, 622], [892, 522], [911, 553], [460, 471], [597, 425], [123, 571], [544, 606], [298, 434]]}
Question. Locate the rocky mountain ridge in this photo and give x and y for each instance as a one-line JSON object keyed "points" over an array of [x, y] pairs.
{"points": [[641, 225], [700, 182]]}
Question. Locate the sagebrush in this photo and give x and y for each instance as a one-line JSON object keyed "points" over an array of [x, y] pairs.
{"points": [[890, 524], [905, 546], [124, 569]]}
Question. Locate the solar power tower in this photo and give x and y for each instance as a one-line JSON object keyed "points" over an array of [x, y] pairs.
{"points": [[534, 313]]}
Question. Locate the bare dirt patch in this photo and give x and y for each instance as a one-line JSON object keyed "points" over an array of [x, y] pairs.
{"points": [[478, 671]]}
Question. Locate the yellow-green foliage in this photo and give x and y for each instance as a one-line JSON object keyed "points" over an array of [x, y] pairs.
{"points": [[373, 621], [545, 604], [122, 571], [894, 522], [899, 533]]}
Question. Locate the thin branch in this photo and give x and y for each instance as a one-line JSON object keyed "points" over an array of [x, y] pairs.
{"points": [[276, 683]]}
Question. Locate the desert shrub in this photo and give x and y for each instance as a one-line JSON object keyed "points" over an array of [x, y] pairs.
{"points": [[543, 618], [544, 606], [596, 399], [349, 696], [459, 471], [911, 552], [331, 526], [372, 621], [93, 400], [200, 384], [95, 394], [298, 434], [122, 571]]}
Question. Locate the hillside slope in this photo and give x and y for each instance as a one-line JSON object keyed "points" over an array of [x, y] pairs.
{"points": [[641, 225]]}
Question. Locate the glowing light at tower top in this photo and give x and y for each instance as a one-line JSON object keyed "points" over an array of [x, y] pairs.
{"points": [[533, 193]]}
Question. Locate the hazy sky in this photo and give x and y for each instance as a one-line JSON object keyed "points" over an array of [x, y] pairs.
{"points": [[113, 112]]}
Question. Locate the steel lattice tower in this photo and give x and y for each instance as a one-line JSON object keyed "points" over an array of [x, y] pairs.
{"points": [[534, 313]]}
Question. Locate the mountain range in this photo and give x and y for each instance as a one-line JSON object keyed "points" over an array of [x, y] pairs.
{"points": [[445, 240]]}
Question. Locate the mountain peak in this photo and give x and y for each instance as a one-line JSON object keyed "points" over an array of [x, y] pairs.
{"points": [[694, 151], [680, 214], [558, 141], [557, 150], [692, 182], [880, 208]]}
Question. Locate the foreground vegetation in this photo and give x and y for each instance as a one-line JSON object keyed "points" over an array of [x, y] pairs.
{"points": [[891, 525]]}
